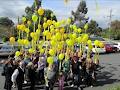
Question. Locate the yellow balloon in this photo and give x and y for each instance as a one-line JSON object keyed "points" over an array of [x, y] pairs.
{"points": [[45, 25], [26, 42], [40, 11], [51, 52], [101, 45], [18, 27], [45, 19], [48, 36], [17, 53], [74, 35], [42, 51], [89, 42], [29, 23], [60, 46], [32, 34], [34, 18], [90, 46], [22, 27], [38, 31], [79, 39], [74, 27], [86, 26], [23, 19], [53, 38], [96, 43], [79, 30], [69, 42], [53, 22], [57, 24], [39, 26], [49, 22], [19, 41], [12, 40], [27, 30], [31, 50], [50, 60], [45, 33], [61, 56], [62, 30], [53, 43], [58, 36], [65, 36]]}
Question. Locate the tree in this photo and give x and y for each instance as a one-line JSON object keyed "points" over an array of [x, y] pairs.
{"points": [[115, 29], [6, 21], [6, 27], [30, 11], [93, 28], [79, 16]]}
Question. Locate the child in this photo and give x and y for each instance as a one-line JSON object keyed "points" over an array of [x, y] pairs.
{"points": [[61, 81]]}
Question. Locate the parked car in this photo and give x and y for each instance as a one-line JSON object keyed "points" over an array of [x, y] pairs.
{"points": [[7, 50], [114, 46], [97, 49], [117, 44], [108, 48]]}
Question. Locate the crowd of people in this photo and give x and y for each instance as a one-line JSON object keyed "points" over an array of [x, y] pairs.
{"points": [[74, 69]]}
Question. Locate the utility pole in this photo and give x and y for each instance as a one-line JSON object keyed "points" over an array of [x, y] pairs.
{"points": [[109, 24]]}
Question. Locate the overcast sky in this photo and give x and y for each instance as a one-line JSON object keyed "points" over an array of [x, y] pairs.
{"points": [[15, 8]]}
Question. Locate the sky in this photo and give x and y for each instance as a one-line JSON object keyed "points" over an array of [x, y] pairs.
{"points": [[98, 12]]}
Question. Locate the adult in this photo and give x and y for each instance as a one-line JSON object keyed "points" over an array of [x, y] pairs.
{"points": [[31, 75], [7, 72], [18, 75], [50, 74]]}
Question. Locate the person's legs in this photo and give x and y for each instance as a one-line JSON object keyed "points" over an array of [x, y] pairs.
{"points": [[32, 86], [9, 86], [19, 86]]}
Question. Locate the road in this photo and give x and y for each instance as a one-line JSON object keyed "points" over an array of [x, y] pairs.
{"points": [[108, 77]]}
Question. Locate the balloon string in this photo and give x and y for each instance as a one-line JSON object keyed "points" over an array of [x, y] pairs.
{"points": [[19, 34], [97, 7], [34, 26]]}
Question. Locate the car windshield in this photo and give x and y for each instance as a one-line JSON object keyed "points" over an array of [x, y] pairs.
{"points": [[6, 48], [97, 38]]}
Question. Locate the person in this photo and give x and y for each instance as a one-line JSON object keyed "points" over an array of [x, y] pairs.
{"points": [[90, 71], [31, 75], [61, 79], [8, 70], [66, 67], [18, 76], [74, 68], [49, 74], [40, 68]]}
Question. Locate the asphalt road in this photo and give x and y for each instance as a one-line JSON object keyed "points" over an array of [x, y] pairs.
{"points": [[108, 76]]}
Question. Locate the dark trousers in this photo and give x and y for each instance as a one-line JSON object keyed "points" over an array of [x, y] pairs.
{"points": [[50, 84], [41, 75], [8, 84], [32, 85], [19, 86]]}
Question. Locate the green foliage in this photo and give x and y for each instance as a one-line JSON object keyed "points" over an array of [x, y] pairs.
{"points": [[113, 32], [6, 28], [5, 21], [94, 28], [4, 39]]}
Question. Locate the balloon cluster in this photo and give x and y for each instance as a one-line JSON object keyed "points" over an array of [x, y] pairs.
{"points": [[57, 36]]}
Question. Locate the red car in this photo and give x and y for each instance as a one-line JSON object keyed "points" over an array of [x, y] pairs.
{"points": [[108, 48]]}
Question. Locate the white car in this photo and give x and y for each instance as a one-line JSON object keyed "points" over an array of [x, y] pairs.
{"points": [[97, 49], [117, 45], [7, 50]]}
